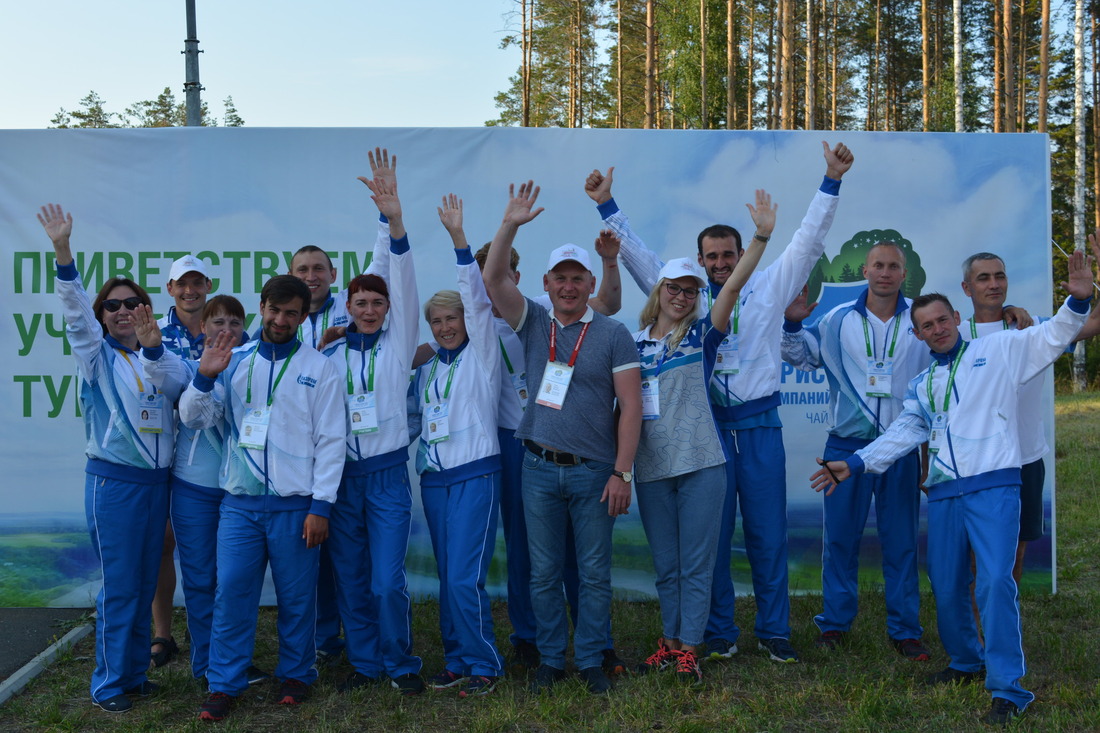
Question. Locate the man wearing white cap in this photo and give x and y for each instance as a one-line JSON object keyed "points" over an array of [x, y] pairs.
{"points": [[188, 284], [577, 467]]}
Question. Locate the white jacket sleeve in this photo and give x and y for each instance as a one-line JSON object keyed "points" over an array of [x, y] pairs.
{"points": [[478, 314], [789, 273], [801, 349], [83, 331], [1044, 342], [202, 404], [908, 431], [380, 255], [403, 322], [642, 263], [329, 433], [167, 371]]}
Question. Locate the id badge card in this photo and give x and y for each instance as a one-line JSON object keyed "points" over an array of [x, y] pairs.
{"points": [[880, 373], [254, 428], [555, 384], [436, 421], [728, 360], [519, 384], [651, 398], [364, 418], [150, 414], [938, 436]]}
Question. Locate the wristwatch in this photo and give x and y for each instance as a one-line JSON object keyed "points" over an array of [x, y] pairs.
{"points": [[626, 476], [761, 238]]}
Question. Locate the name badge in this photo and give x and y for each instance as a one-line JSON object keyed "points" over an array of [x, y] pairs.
{"points": [[364, 418], [437, 426], [254, 428], [555, 384], [651, 398], [150, 414], [519, 384], [879, 376], [728, 360], [938, 436]]}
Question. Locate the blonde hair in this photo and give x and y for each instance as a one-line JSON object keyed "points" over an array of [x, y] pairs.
{"points": [[449, 299], [652, 309]]}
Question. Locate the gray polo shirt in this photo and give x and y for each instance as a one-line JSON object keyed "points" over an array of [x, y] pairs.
{"points": [[585, 425]]}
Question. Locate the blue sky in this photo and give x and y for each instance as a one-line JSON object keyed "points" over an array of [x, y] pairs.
{"points": [[332, 63]]}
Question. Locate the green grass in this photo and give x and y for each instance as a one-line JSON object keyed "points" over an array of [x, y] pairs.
{"points": [[864, 687]]}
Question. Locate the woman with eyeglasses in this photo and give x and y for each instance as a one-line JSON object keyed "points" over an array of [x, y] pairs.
{"points": [[680, 464], [130, 448]]}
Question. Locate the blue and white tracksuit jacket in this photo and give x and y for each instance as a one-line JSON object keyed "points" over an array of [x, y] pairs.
{"points": [[745, 407], [973, 487], [126, 489], [460, 478], [176, 338], [839, 343]]}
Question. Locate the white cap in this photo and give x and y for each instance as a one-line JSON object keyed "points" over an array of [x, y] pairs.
{"points": [[683, 267], [186, 264], [569, 252]]}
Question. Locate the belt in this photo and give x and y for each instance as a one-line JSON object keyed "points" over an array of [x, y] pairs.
{"points": [[556, 457]]}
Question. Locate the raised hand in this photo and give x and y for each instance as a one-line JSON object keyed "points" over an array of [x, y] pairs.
{"points": [[518, 211], [145, 327], [1080, 275], [382, 166], [799, 309], [331, 335], [837, 160], [216, 355], [450, 213], [763, 214], [608, 244], [58, 224], [598, 185], [829, 475]]}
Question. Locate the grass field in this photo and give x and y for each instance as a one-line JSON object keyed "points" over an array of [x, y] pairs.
{"points": [[863, 687]]}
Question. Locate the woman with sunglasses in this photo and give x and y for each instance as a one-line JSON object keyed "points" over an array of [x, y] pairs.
{"points": [[130, 447], [680, 461]]}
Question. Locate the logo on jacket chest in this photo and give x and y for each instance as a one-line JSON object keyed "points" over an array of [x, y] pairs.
{"points": [[307, 381]]}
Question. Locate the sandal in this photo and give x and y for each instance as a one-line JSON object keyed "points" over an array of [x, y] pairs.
{"points": [[169, 650]]}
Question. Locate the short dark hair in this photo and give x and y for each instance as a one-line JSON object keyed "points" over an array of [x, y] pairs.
{"points": [[311, 248], [284, 288], [923, 301], [368, 282], [719, 231], [114, 282], [968, 263], [483, 253], [226, 304], [888, 243]]}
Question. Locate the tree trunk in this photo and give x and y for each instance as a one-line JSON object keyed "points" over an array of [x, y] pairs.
{"points": [[926, 70], [956, 21], [525, 65], [834, 89], [1044, 64], [808, 122], [650, 67], [788, 76], [703, 123], [998, 72], [731, 69], [619, 65], [750, 70], [1079, 377], [1008, 64]]}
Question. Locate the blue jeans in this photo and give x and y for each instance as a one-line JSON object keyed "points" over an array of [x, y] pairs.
{"points": [[554, 496], [681, 516]]}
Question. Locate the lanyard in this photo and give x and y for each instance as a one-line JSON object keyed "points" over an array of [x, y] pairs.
{"points": [[370, 369], [893, 341], [504, 353], [324, 327], [140, 385], [431, 376], [950, 380], [271, 394], [554, 342], [974, 327], [736, 315]]}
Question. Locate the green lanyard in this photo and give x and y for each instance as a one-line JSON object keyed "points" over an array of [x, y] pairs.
{"points": [[736, 315], [271, 395], [950, 380], [893, 341], [324, 327], [370, 369], [974, 327], [431, 376], [504, 353]]}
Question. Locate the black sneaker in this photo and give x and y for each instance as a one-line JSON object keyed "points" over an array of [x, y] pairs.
{"points": [[595, 680], [408, 684], [658, 661], [612, 665], [292, 692], [1001, 713], [216, 706], [779, 650], [116, 704], [479, 685], [829, 640], [326, 660], [911, 649], [952, 676], [145, 689], [356, 680], [525, 656], [546, 677], [256, 675], [718, 649], [447, 679], [687, 667]]}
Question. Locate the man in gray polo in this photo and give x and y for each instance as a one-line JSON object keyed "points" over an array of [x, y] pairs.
{"points": [[573, 469]]}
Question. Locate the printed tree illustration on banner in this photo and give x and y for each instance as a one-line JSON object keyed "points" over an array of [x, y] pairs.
{"points": [[847, 267]]}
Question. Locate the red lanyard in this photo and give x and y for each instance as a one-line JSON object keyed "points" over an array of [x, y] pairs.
{"points": [[554, 341]]}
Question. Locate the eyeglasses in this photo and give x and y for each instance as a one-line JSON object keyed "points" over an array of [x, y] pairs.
{"points": [[114, 304], [674, 290]]}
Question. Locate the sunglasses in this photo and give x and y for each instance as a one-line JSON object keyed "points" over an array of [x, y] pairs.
{"points": [[114, 304], [674, 290]]}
